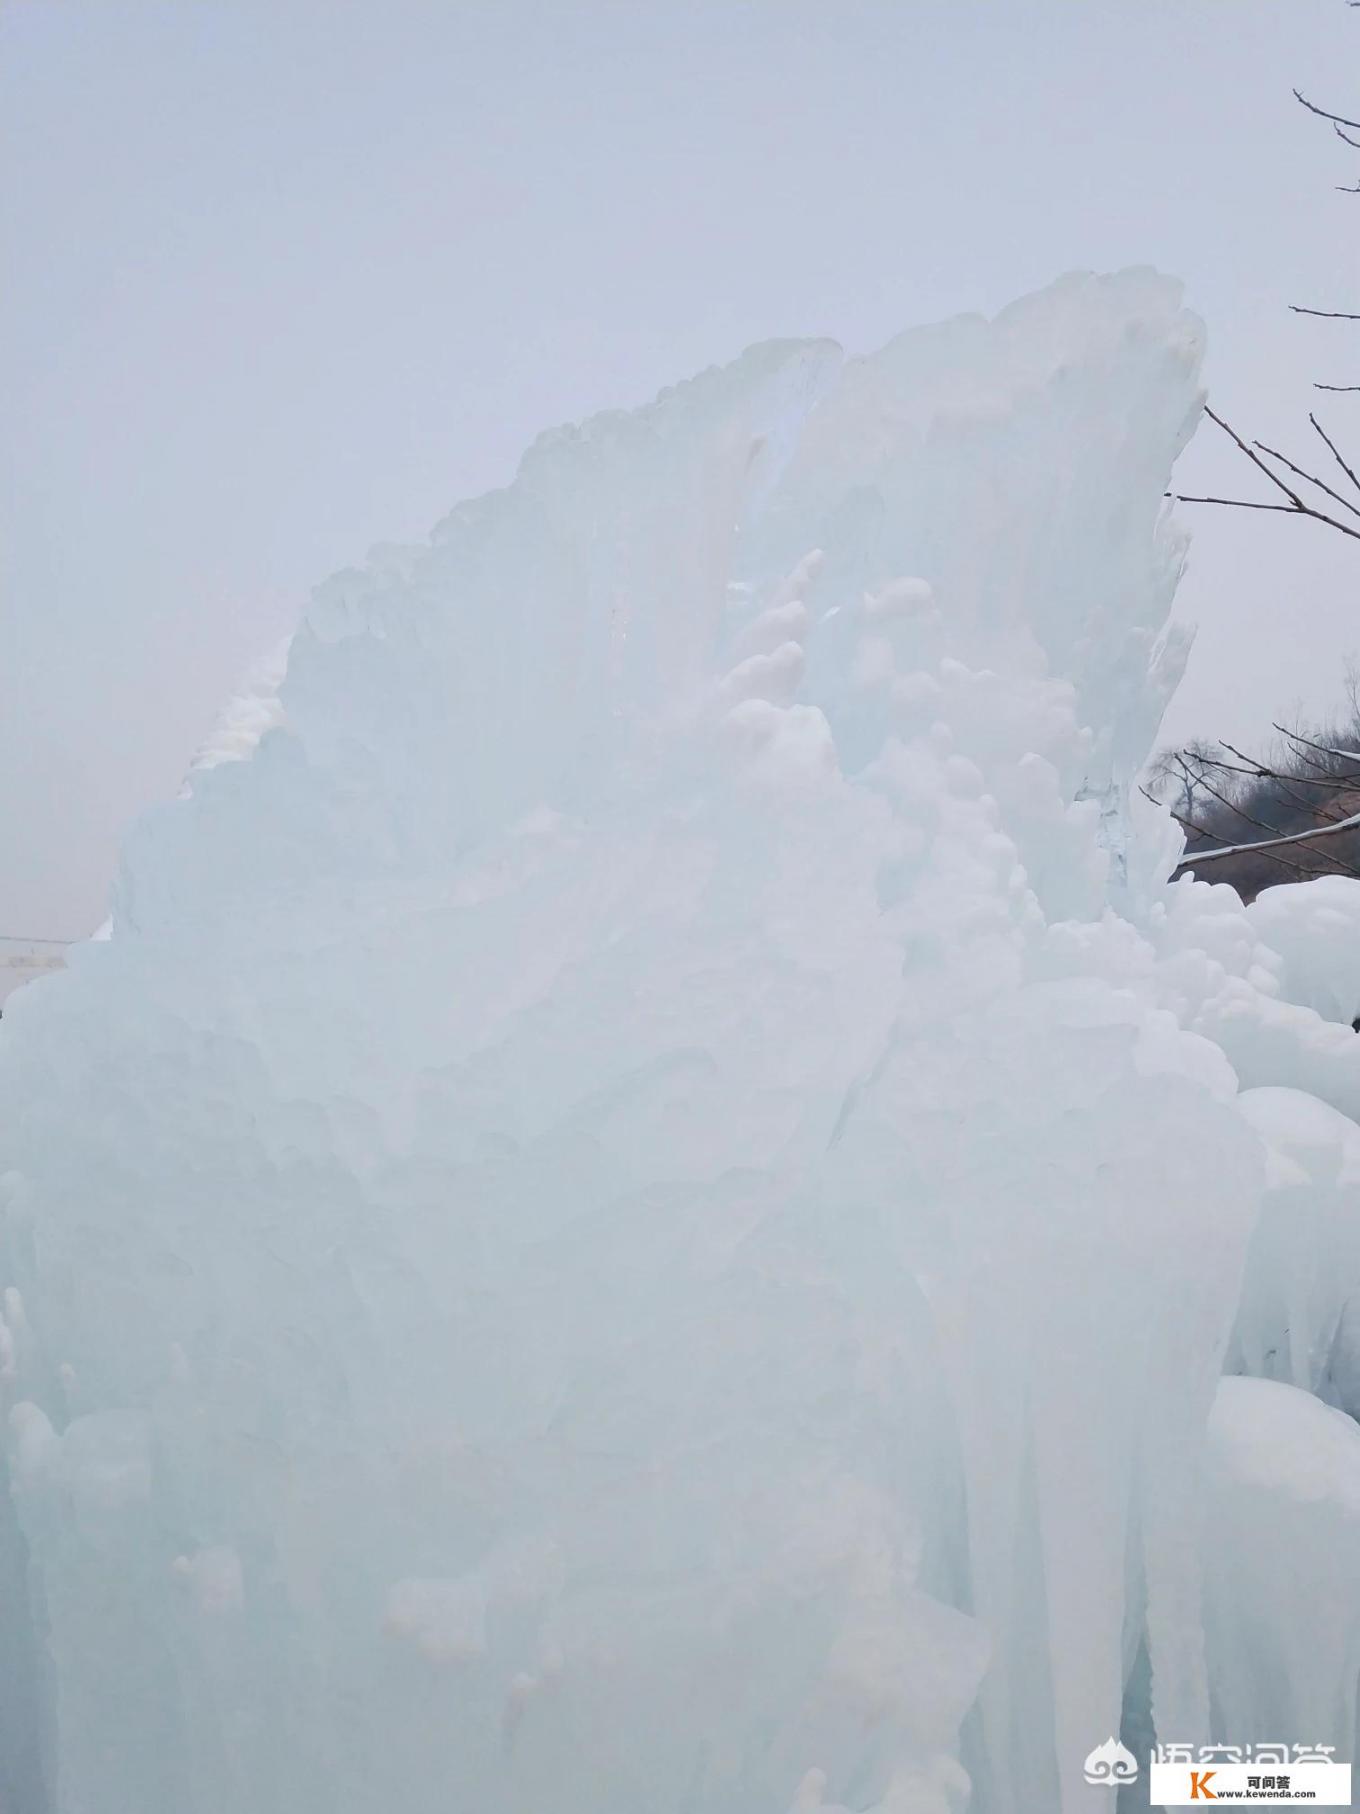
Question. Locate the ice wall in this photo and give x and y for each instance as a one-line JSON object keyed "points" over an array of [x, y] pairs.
{"points": [[644, 1212]]}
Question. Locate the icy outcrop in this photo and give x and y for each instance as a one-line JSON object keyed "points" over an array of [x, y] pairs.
{"points": [[1314, 930], [645, 1209], [249, 714], [1284, 1507], [1299, 1310]]}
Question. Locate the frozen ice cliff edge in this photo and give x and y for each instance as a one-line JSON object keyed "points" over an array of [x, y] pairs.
{"points": [[645, 1210]]}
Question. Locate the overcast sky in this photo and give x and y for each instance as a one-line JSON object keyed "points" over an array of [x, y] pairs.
{"points": [[289, 277]]}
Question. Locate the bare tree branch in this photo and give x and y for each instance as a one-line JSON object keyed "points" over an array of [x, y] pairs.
{"points": [[1336, 455], [1201, 755], [1183, 497], [1321, 773], [1253, 771], [1293, 837], [1326, 314], [1323, 749], [1300, 871], [1337, 119], [1345, 503], [1323, 784], [1256, 460], [1301, 800], [1264, 846], [1296, 505], [1336, 387], [1188, 825]]}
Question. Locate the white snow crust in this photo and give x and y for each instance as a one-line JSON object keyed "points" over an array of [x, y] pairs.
{"points": [[646, 1210]]}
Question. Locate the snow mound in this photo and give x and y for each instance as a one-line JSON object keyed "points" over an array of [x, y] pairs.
{"points": [[645, 1210]]}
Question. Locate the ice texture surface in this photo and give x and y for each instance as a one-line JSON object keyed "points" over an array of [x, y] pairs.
{"points": [[644, 1210]]}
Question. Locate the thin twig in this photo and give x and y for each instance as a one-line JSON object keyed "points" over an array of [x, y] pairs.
{"points": [[1258, 768], [1171, 809], [1301, 800], [1223, 800], [1249, 767], [1182, 497], [1296, 505], [1313, 763], [1336, 387], [1260, 772], [1335, 452], [1318, 516], [1323, 749], [1345, 503], [1237, 768], [1256, 460], [1342, 784], [1326, 314], [1337, 119]]}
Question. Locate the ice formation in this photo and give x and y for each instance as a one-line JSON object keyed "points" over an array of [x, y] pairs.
{"points": [[255, 709], [645, 1210]]}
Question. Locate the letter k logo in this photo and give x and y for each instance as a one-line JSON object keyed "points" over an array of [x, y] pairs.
{"points": [[1199, 1786]]}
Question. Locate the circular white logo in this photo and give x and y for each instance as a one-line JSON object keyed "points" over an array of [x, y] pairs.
{"points": [[1111, 1764]]}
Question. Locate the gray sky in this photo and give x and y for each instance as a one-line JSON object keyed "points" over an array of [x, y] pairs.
{"points": [[289, 277]]}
